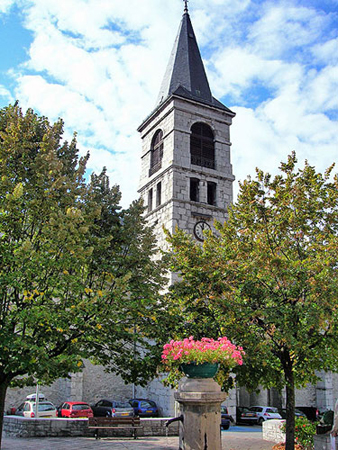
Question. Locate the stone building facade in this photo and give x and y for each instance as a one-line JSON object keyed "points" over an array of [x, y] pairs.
{"points": [[168, 191], [90, 386]]}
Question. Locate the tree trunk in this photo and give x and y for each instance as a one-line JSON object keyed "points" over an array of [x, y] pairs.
{"points": [[3, 390], [290, 413]]}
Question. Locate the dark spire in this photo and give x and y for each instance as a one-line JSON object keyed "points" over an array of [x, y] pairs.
{"points": [[185, 75]]}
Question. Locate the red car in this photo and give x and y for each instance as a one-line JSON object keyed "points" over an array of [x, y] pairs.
{"points": [[75, 410]]}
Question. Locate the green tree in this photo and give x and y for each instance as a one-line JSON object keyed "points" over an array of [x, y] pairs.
{"points": [[77, 273], [130, 258], [268, 279]]}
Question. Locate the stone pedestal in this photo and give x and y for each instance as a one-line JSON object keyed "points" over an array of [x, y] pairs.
{"points": [[200, 404], [325, 442]]}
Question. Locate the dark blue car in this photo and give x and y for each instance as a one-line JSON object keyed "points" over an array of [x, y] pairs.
{"points": [[226, 418], [144, 407]]}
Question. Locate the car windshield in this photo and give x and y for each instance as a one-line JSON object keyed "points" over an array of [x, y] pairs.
{"points": [[44, 407], [147, 404], [122, 405], [80, 407], [272, 410]]}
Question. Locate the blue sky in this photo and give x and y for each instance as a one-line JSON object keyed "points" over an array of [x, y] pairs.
{"points": [[99, 64]]}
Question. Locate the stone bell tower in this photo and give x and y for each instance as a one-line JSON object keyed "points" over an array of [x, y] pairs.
{"points": [[186, 173]]}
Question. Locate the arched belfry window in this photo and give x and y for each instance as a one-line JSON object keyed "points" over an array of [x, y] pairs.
{"points": [[156, 153], [202, 147]]}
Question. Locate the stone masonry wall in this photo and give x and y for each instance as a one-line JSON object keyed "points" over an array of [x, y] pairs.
{"points": [[90, 386], [98, 384], [272, 430], [175, 120], [163, 396], [22, 427]]}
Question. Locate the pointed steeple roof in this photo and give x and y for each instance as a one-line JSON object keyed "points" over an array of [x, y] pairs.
{"points": [[185, 75]]}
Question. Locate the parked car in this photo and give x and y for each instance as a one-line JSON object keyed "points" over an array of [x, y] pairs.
{"points": [[245, 416], [28, 409], [226, 418], [11, 411], [32, 397], [311, 412], [265, 413], [75, 410], [144, 407], [112, 408], [298, 413]]}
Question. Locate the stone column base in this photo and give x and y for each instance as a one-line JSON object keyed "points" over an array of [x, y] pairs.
{"points": [[200, 400], [323, 442]]}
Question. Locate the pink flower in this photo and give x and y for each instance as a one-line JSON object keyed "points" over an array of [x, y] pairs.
{"points": [[205, 350]]}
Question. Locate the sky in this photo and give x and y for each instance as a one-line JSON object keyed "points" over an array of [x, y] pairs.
{"points": [[98, 64]]}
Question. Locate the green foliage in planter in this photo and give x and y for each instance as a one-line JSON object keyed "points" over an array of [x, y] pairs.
{"points": [[304, 432]]}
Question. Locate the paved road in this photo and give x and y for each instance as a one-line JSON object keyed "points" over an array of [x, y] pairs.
{"points": [[236, 438]]}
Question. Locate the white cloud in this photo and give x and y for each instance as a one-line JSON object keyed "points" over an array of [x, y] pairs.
{"points": [[5, 5], [277, 57], [323, 89], [237, 69], [99, 65], [285, 28], [96, 69], [258, 143], [326, 52], [6, 94]]}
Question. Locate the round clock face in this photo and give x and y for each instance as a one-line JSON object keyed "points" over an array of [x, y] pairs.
{"points": [[199, 228]]}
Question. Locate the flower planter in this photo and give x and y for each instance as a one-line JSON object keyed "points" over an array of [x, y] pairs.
{"points": [[199, 359], [204, 370]]}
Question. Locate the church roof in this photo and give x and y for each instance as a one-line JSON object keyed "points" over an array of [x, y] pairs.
{"points": [[185, 75]]}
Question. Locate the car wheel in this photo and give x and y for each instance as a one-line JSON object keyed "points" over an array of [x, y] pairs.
{"points": [[260, 421]]}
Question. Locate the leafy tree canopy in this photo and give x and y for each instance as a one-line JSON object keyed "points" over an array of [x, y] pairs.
{"points": [[268, 279], [77, 273]]}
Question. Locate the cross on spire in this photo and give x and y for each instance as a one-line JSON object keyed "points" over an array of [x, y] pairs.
{"points": [[185, 6]]}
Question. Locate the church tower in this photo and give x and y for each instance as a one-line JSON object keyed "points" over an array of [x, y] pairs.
{"points": [[186, 173]]}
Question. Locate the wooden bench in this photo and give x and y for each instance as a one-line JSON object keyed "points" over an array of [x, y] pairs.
{"points": [[104, 423]]}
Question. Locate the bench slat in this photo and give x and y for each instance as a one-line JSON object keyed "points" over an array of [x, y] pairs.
{"points": [[110, 421], [115, 426], [132, 423]]}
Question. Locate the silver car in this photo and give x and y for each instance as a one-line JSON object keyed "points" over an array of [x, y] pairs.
{"points": [[265, 413], [28, 409]]}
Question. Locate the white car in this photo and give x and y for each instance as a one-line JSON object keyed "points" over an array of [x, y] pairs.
{"points": [[265, 413], [32, 397], [28, 409]]}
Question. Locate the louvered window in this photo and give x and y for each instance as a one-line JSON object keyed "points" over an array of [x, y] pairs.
{"points": [[150, 200], [158, 194], [156, 154], [211, 193], [202, 149], [194, 189]]}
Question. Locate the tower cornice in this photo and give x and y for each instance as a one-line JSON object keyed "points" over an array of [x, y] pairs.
{"points": [[163, 105]]}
